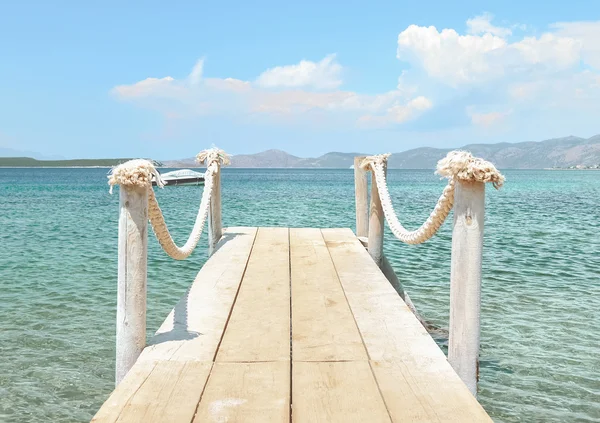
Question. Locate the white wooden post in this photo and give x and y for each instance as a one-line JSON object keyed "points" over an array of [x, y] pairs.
{"points": [[376, 221], [215, 223], [465, 281], [131, 293], [361, 198]]}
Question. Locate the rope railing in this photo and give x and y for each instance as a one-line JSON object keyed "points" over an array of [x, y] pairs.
{"points": [[138, 205], [457, 165], [465, 193], [140, 173]]}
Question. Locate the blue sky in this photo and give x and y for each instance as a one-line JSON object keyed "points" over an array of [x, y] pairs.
{"points": [[160, 80]]}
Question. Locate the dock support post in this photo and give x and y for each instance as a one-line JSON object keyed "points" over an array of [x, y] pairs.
{"points": [[215, 223], [376, 222], [361, 198], [465, 281], [132, 274]]}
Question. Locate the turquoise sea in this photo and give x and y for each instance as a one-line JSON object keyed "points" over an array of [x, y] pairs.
{"points": [[540, 355]]}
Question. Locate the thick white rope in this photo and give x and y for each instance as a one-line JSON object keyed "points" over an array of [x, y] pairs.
{"points": [[159, 226], [140, 173], [457, 165]]}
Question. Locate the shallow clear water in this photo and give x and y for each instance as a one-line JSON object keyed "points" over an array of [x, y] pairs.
{"points": [[540, 355]]}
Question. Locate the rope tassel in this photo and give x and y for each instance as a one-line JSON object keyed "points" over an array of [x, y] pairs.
{"points": [[462, 165], [134, 173], [140, 173], [457, 165]]}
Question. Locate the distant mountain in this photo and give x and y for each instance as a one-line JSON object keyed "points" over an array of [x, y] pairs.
{"points": [[269, 158], [331, 160], [557, 152], [279, 159]]}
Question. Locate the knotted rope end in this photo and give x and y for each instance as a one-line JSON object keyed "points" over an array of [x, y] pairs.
{"points": [[369, 161], [462, 165], [134, 173], [213, 155]]}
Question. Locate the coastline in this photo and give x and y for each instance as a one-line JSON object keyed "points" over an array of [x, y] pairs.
{"points": [[56, 167], [551, 168], [270, 167]]}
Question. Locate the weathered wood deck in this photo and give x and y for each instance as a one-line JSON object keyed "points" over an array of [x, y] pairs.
{"points": [[291, 325]]}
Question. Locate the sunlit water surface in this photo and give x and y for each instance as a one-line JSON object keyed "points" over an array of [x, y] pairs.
{"points": [[540, 352]]}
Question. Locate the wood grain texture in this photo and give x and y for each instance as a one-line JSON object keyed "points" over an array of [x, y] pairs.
{"points": [[165, 391], [111, 409], [132, 277], [215, 220], [323, 328], [358, 354], [259, 327], [361, 198], [194, 328], [393, 336], [246, 393], [465, 281], [376, 222], [421, 389], [332, 392], [388, 327], [169, 394]]}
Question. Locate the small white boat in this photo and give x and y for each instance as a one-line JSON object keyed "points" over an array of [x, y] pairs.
{"points": [[182, 177]]}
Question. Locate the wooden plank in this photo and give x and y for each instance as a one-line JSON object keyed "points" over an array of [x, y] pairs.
{"points": [[342, 392], [388, 327], [170, 394], [110, 410], [323, 327], [246, 393], [426, 390], [361, 198], [259, 327], [194, 328], [393, 337], [156, 392]]}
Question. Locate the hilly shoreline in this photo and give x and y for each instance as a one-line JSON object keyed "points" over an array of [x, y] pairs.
{"points": [[561, 153], [558, 153]]}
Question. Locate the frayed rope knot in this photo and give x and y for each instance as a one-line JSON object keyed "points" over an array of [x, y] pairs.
{"points": [[368, 161], [134, 173], [462, 165], [213, 155]]}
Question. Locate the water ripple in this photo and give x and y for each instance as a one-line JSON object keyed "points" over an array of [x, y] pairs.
{"points": [[540, 296]]}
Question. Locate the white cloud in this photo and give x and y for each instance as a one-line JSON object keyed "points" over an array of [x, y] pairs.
{"points": [[524, 90], [279, 91], [554, 51], [478, 78], [485, 54], [228, 84], [488, 119], [325, 74], [196, 74], [482, 24], [398, 113], [446, 55], [588, 34], [149, 86]]}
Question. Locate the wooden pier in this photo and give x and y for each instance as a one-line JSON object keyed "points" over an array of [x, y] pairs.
{"points": [[289, 325], [294, 324]]}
